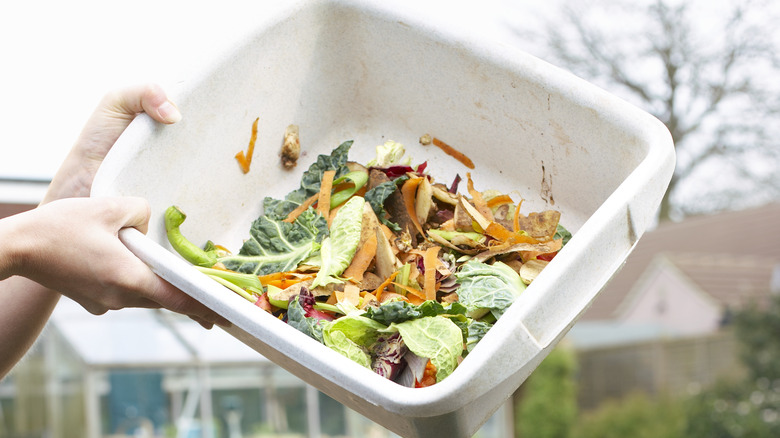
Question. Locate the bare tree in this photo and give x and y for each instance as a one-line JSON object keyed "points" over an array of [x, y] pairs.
{"points": [[708, 70]]}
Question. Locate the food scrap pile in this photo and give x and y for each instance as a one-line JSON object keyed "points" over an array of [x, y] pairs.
{"points": [[397, 271]]}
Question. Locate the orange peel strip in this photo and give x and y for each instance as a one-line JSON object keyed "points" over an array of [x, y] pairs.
{"points": [[499, 200], [246, 160], [516, 218], [449, 150], [431, 262]]}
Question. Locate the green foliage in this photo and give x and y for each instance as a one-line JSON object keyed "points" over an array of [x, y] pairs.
{"points": [[636, 416], [736, 409], [751, 407], [548, 408], [759, 333]]}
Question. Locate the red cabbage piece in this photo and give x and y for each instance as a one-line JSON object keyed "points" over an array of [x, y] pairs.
{"points": [[387, 356]]}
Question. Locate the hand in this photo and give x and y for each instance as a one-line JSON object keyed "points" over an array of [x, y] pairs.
{"points": [[72, 246], [108, 121]]}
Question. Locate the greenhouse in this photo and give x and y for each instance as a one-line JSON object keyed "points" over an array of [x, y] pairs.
{"points": [[152, 373]]}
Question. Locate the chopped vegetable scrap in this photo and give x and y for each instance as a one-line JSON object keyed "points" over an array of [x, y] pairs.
{"points": [[246, 160], [291, 148], [383, 264], [449, 150]]}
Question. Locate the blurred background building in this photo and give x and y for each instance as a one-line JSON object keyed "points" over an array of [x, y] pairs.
{"points": [[662, 326]]}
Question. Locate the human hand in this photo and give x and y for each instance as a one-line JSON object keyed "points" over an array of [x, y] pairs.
{"points": [[111, 117], [72, 246]]}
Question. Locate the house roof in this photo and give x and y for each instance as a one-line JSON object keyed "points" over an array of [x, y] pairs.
{"points": [[730, 255], [734, 281], [12, 209]]}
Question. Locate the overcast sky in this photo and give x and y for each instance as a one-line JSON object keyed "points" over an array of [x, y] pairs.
{"points": [[59, 58]]}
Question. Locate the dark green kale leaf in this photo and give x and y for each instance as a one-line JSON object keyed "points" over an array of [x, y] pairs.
{"points": [[278, 246], [562, 233], [296, 317], [400, 311], [435, 308], [376, 199], [393, 311]]}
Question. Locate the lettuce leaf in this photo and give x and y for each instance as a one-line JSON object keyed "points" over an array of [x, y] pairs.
{"points": [[339, 342], [277, 246], [359, 329], [434, 337], [339, 248], [488, 287], [476, 331], [352, 335], [310, 182]]}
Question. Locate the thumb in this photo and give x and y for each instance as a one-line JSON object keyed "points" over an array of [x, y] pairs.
{"points": [[148, 98], [133, 212], [118, 108]]}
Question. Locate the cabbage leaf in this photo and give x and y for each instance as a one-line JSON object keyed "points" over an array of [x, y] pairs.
{"points": [[351, 335], [434, 337], [488, 287], [359, 329], [340, 343]]}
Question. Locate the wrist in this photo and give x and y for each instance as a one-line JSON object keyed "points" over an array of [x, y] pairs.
{"points": [[72, 179], [11, 246]]}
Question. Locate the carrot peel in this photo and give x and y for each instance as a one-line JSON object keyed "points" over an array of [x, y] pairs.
{"points": [[409, 191], [246, 160], [449, 150], [430, 261]]}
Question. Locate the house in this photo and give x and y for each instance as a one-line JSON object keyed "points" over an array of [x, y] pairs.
{"points": [[656, 327], [685, 278]]}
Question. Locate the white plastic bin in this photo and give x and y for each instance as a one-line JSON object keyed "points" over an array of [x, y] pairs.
{"points": [[344, 70]]}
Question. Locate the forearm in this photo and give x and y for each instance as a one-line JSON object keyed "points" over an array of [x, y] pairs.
{"points": [[25, 307]]}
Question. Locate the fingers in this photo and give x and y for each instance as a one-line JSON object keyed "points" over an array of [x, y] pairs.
{"points": [[177, 301], [148, 98], [119, 108], [152, 290]]}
